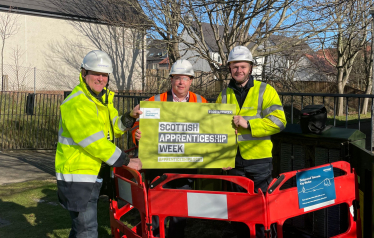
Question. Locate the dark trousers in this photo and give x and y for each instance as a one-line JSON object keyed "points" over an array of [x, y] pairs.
{"points": [[260, 174], [84, 224]]}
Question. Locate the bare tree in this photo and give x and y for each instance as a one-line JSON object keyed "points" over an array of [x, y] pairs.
{"points": [[368, 62], [362, 73], [21, 73], [250, 23], [165, 16], [8, 27], [231, 23], [345, 38], [114, 27], [122, 45], [183, 24], [69, 54], [292, 71]]}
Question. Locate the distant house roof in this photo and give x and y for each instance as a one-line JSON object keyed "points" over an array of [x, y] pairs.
{"points": [[209, 35], [319, 60], [294, 49], [68, 9], [210, 39], [44, 8], [157, 49], [164, 61]]}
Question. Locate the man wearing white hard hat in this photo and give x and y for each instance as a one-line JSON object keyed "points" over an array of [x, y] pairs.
{"points": [[259, 114], [181, 76], [87, 127]]}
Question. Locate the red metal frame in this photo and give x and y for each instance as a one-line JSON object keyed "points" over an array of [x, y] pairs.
{"points": [[130, 180], [276, 207], [164, 202], [346, 188]]}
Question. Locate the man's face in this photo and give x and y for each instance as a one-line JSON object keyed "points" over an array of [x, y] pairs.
{"points": [[96, 81], [240, 71], [181, 84]]}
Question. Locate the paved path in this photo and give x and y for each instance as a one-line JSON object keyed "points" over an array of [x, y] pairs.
{"points": [[25, 165]]}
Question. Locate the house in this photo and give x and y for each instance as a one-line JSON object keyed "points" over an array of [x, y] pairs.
{"points": [[285, 58], [200, 64], [157, 54], [321, 69], [46, 48], [278, 58]]}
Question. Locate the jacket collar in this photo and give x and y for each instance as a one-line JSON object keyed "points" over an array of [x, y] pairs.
{"points": [[247, 86]]}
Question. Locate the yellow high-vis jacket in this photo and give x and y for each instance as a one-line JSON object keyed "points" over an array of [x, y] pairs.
{"points": [[264, 111], [85, 127]]}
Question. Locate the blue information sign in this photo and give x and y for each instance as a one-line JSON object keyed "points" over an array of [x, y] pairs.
{"points": [[316, 188]]}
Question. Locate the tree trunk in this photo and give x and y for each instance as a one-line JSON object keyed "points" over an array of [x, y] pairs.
{"points": [[174, 53], [2, 66], [220, 81], [340, 106], [365, 104]]}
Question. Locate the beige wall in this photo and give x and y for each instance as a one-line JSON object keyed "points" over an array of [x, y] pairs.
{"points": [[56, 48]]}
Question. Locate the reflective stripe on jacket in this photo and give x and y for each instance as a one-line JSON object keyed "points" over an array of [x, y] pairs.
{"points": [[167, 97], [85, 126], [264, 111]]}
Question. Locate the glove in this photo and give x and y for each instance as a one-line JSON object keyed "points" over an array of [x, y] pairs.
{"points": [[127, 120]]}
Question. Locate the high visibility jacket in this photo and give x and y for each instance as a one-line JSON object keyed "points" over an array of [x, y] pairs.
{"points": [[167, 97], [264, 111], [85, 126]]}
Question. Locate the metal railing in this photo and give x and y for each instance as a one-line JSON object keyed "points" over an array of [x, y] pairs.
{"points": [[30, 121], [294, 102], [124, 103], [352, 105]]}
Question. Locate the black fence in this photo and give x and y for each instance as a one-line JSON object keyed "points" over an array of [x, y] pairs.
{"points": [[125, 103], [30, 121], [293, 103], [351, 116]]}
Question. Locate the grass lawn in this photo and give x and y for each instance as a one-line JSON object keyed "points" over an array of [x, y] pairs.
{"points": [[31, 209], [352, 119]]}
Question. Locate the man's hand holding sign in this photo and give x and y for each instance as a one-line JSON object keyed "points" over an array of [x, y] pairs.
{"points": [[238, 121]]}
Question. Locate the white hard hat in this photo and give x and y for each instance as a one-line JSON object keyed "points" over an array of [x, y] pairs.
{"points": [[97, 61], [182, 67], [240, 53]]}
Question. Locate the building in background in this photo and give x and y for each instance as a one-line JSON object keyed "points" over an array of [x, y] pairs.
{"points": [[157, 57], [45, 50], [200, 64]]}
